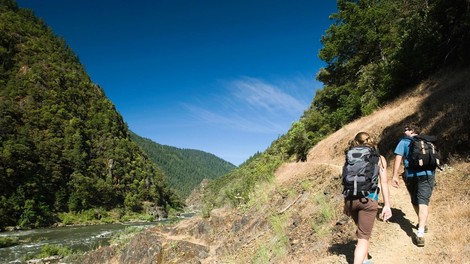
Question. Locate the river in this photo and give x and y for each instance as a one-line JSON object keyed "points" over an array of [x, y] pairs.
{"points": [[83, 238]]}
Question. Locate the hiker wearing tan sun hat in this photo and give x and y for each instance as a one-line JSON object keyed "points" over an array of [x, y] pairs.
{"points": [[420, 159]]}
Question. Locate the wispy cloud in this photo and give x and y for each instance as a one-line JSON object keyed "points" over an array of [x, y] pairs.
{"points": [[260, 94], [253, 105], [226, 119]]}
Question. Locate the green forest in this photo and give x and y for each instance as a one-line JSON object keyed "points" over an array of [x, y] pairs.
{"points": [[63, 145], [65, 149], [184, 168], [374, 51]]}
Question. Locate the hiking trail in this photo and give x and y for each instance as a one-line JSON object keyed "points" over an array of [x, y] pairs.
{"points": [[392, 242]]}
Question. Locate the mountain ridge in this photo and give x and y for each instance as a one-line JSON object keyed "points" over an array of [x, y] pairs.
{"points": [[184, 168]]}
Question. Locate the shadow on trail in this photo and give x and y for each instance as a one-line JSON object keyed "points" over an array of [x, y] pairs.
{"points": [[346, 249], [405, 224]]}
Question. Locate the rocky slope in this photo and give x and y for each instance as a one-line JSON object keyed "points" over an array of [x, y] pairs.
{"points": [[297, 218]]}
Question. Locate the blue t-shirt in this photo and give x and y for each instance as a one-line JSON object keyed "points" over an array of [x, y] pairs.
{"points": [[403, 149], [374, 195]]}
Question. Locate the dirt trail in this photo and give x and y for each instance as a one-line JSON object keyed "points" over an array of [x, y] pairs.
{"points": [[392, 242]]}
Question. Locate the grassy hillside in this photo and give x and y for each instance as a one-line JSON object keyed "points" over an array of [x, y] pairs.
{"points": [[184, 168], [63, 145]]}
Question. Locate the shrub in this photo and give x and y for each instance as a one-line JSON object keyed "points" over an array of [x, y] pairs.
{"points": [[53, 250], [8, 241]]}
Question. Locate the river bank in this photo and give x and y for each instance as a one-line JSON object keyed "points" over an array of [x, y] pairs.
{"points": [[79, 238]]}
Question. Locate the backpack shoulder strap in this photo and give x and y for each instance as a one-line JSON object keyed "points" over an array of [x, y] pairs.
{"points": [[427, 138]]}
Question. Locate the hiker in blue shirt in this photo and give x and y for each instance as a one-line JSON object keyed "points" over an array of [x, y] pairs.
{"points": [[419, 183]]}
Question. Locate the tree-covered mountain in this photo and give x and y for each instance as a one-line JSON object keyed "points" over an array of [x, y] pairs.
{"points": [[184, 168], [375, 50], [63, 145]]}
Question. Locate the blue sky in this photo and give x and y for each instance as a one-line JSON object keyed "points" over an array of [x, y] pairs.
{"points": [[225, 77]]}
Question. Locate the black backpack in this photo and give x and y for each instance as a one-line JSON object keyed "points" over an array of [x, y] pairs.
{"points": [[360, 172], [423, 154]]}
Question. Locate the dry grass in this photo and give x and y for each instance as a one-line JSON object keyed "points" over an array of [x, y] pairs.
{"points": [[451, 214]]}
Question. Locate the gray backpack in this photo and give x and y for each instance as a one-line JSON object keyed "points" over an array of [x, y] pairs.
{"points": [[360, 172]]}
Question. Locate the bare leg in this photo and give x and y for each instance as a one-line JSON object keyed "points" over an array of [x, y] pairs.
{"points": [[423, 213], [361, 251]]}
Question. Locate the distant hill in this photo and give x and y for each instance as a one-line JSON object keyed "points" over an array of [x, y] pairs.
{"points": [[63, 145], [184, 168]]}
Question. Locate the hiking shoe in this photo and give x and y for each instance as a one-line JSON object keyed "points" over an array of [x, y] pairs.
{"points": [[419, 241], [425, 228], [369, 261]]}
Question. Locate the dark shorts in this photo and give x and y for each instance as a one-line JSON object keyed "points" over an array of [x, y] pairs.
{"points": [[420, 188], [363, 212]]}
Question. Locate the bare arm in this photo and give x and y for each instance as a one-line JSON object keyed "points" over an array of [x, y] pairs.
{"points": [[386, 210], [396, 167]]}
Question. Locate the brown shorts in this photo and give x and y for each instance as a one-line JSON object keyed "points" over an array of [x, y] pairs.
{"points": [[363, 211]]}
